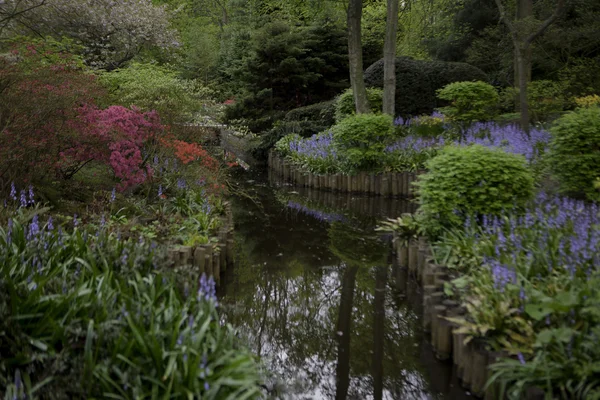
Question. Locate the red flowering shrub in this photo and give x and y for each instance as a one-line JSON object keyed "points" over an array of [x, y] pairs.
{"points": [[187, 152]]}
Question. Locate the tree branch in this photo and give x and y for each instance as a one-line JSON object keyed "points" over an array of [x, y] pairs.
{"points": [[503, 16], [557, 12], [15, 13]]}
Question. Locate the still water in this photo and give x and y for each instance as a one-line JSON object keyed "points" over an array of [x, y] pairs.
{"points": [[317, 296]]}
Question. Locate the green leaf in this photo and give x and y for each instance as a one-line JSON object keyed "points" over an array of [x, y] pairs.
{"points": [[537, 312]]}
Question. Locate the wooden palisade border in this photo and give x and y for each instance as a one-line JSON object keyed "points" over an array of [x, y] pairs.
{"points": [[471, 360], [389, 184], [213, 259]]}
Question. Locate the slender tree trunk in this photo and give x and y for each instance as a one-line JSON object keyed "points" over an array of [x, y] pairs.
{"points": [[355, 57], [343, 333], [522, 72], [389, 58], [524, 11]]}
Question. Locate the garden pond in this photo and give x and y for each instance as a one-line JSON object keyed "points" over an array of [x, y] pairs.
{"points": [[317, 295]]}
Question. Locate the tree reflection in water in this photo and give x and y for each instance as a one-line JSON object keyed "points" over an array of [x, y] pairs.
{"points": [[316, 301]]}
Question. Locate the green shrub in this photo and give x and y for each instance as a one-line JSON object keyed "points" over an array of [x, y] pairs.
{"points": [[321, 113], [283, 145], [472, 180], [152, 87], [470, 101], [344, 106], [574, 153], [428, 125], [362, 140], [509, 100], [304, 128], [545, 98], [417, 82]]}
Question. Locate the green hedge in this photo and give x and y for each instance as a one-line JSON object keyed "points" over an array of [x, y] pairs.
{"points": [[417, 82]]}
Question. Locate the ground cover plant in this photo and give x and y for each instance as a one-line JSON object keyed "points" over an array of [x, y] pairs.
{"points": [[86, 312], [529, 283]]}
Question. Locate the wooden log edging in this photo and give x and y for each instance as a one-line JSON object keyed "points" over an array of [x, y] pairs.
{"points": [[471, 360], [213, 259], [389, 184]]}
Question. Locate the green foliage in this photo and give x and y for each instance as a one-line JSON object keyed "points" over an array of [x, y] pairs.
{"points": [[531, 299], [283, 145], [286, 67], [471, 180], [90, 314], [345, 107], [581, 77], [362, 140], [469, 101], [417, 82], [574, 154], [153, 87], [323, 113], [545, 98]]}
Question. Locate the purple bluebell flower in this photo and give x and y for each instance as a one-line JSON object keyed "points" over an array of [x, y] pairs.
{"points": [[34, 228], [181, 183], [160, 190], [207, 289], [50, 224], [75, 221], [31, 200], [23, 199], [521, 358], [113, 195], [13, 192]]}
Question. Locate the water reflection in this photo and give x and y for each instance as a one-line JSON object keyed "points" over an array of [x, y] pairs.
{"points": [[318, 301]]}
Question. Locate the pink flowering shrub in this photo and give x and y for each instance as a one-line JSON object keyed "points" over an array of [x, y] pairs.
{"points": [[122, 134]]}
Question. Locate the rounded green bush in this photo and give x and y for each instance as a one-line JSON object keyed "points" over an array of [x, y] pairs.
{"points": [[470, 101], [471, 181], [362, 140], [575, 152], [345, 107]]}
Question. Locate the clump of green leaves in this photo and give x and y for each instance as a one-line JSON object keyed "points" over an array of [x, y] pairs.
{"points": [[574, 154], [362, 140], [469, 101], [471, 180], [283, 145], [345, 106]]}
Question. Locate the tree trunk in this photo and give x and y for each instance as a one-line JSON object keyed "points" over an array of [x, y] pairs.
{"points": [[355, 57], [343, 333], [524, 10], [522, 43], [523, 105], [389, 58]]}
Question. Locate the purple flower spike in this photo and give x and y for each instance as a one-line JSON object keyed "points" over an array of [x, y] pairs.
{"points": [[13, 192], [23, 199]]}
